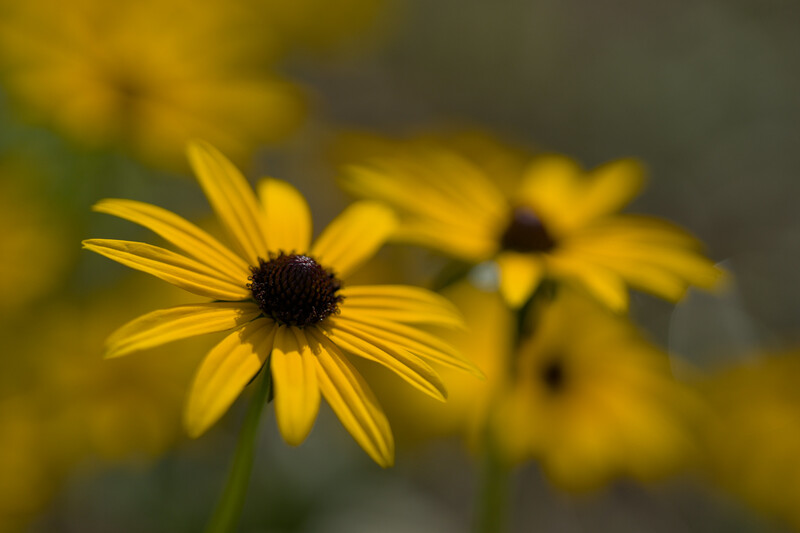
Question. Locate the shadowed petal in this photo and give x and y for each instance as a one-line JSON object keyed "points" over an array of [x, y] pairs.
{"points": [[353, 401], [232, 198], [409, 367], [173, 268], [225, 372], [167, 325], [294, 377], [180, 232]]}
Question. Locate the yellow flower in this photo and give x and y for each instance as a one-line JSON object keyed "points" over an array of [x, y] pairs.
{"points": [[753, 436], [285, 300], [559, 222], [591, 400], [148, 75]]}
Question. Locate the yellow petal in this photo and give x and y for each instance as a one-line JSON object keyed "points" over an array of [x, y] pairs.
{"points": [[353, 401], [288, 219], [167, 325], [224, 373], [232, 199], [173, 268], [549, 186], [294, 380], [180, 232], [609, 188], [402, 304], [604, 285], [520, 275], [409, 367], [390, 336], [353, 237]]}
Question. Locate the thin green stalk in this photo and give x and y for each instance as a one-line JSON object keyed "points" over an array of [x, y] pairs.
{"points": [[229, 508], [493, 504], [492, 512]]}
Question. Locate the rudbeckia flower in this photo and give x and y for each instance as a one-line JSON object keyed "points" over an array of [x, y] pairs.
{"points": [[286, 302], [591, 400], [147, 75], [752, 437], [558, 222]]}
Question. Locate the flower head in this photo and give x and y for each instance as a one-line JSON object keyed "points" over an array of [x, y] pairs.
{"points": [[287, 302], [592, 400], [559, 222], [127, 74]]}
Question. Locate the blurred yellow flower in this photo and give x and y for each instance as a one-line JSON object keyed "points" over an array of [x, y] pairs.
{"points": [[148, 75], [559, 222], [592, 400], [753, 435], [284, 299]]}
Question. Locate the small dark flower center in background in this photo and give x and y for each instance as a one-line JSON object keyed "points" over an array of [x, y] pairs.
{"points": [[294, 290], [553, 375], [526, 233]]}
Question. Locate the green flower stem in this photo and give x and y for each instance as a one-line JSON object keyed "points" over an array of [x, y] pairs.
{"points": [[492, 512], [492, 505], [229, 508]]}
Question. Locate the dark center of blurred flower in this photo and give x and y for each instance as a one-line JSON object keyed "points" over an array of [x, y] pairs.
{"points": [[526, 233], [294, 290], [552, 374]]}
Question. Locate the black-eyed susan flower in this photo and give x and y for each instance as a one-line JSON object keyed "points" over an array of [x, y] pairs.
{"points": [[752, 435], [558, 222], [286, 301], [592, 400], [147, 75]]}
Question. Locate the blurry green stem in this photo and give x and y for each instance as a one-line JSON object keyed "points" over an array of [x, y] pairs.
{"points": [[229, 507], [493, 503], [492, 511]]}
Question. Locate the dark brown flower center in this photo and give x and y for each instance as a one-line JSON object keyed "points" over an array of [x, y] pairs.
{"points": [[526, 233], [294, 290], [553, 375]]}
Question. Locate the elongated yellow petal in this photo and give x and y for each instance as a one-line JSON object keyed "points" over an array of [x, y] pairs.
{"points": [[224, 373], [604, 285], [353, 237], [409, 367], [549, 186], [180, 232], [353, 401], [520, 275], [173, 268], [288, 219], [167, 325], [402, 304], [391, 335], [232, 199], [294, 377]]}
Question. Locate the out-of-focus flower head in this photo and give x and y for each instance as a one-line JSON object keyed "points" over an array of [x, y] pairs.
{"points": [[147, 75], [592, 400], [33, 246], [559, 222], [753, 435], [586, 395]]}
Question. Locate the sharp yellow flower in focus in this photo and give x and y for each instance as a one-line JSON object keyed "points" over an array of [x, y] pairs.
{"points": [[286, 303], [591, 400], [558, 222], [753, 436], [146, 75]]}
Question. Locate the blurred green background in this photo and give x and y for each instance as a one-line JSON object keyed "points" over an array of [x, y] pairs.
{"points": [[704, 92]]}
